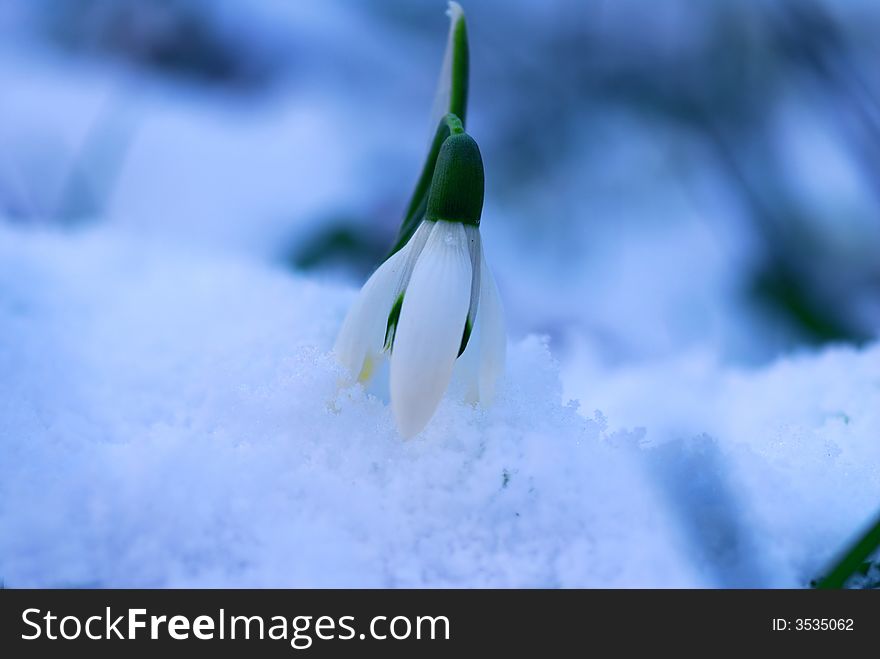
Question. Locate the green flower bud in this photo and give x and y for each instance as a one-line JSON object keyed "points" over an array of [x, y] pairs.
{"points": [[458, 184]]}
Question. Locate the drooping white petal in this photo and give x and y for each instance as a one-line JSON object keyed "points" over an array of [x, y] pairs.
{"points": [[414, 248], [482, 363], [359, 343], [361, 339], [475, 251], [493, 338], [443, 95], [431, 323], [467, 366]]}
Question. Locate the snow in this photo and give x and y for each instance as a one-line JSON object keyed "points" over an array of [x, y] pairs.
{"points": [[794, 441], [172, 422], [174, 419]]}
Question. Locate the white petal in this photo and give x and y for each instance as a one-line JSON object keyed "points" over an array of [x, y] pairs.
{"points": [[413, 250], [444, 85], [431, 323], [493, 339], [467, 366], [361, 339], [475, 250], [359, 344]]}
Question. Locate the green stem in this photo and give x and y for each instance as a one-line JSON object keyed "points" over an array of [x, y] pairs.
{"points": [[853, 559], [449, 125]]}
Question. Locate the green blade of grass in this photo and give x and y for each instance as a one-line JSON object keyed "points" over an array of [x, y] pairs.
{"points": [[450, 109], [852, 560]]}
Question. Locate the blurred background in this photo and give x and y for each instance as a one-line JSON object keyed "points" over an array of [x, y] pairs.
{"points": [[697, 176]]}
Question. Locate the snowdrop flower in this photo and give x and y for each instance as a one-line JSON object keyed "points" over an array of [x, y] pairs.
{"points": [[433, 305]]}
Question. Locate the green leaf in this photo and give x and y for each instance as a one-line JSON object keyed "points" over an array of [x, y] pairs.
{"points": [[450, 108], [452, 87], [853, 559]]}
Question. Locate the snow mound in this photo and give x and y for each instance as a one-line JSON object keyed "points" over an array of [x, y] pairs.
{"points": [[167, 419], [770, 471]]}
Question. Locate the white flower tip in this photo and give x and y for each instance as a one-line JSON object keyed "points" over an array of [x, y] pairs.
{"points": [[362, 334], [410, 419], [454, 11], [445, 84]]}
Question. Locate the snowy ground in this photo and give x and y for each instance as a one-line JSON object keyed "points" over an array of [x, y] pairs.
{"points": [[175, 420]]}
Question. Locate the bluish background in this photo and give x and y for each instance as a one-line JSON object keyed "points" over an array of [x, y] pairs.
{"points": [[700, 173]]}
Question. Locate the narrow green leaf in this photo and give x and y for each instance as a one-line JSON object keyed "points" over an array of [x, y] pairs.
{"points": [[452, 86], [853, 559], [450, 108]]}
